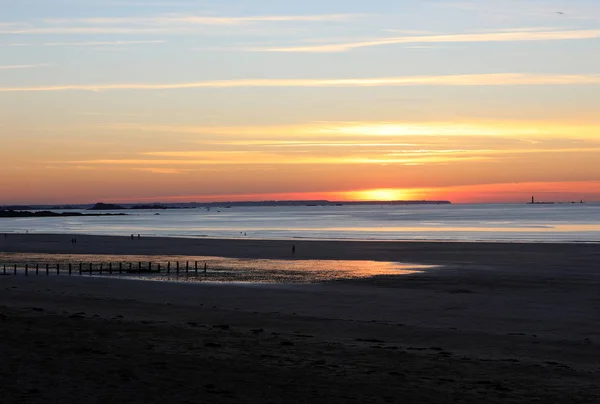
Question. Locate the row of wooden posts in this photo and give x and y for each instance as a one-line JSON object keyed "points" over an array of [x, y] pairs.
{"points": [[101, 269]]}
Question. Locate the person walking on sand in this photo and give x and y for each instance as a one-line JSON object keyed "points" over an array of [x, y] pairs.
{"points": [[293, 249], [205, 268]]}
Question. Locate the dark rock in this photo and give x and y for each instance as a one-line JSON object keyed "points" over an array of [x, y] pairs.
{"points": [[106, 206]]}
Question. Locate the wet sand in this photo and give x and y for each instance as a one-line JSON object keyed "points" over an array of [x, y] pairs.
{"points": [[497, 323], [419, 252]]}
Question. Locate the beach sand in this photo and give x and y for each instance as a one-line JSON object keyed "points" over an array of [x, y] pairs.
{"points": [[496, 323]]}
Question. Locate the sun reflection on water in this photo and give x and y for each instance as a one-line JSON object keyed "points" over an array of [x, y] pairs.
{"points": [[218, 269]]}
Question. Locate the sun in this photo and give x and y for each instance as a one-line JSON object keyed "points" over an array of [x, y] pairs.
{"points": [[382, 194]]}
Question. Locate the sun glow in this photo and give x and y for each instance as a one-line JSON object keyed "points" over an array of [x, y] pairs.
{"points": [[382, 194]]}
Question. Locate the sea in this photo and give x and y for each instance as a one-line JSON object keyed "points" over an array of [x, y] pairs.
{"points": [[551, 223]]}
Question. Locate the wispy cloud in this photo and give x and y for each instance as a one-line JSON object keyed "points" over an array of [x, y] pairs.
{"points": [[522, 29], [93, 43], [385, 152], [374, 133], [509, 36], [179, 162], [169, 171], [14, 67], [112, 114], [167, 24], [410, 31], [152, 4], [249, 158], [209, 20], [503, 79]]}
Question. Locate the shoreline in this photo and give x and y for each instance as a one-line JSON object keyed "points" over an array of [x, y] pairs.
{"points": [[421, 252], [321, 239]]}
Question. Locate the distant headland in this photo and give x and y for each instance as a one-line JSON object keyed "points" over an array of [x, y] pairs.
{"points": [[101, 206], [7, 213]]}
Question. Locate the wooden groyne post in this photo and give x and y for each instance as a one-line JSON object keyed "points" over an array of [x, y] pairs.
{"points": [[101, 268]]}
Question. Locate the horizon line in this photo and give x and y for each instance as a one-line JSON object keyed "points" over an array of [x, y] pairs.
{"points": [[228, 202]]}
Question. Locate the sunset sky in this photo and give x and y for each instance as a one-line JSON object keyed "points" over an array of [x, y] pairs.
{"points": [[189, 100]]}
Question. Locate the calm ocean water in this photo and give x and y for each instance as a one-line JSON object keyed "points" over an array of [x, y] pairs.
{"points": [[508, 222]]}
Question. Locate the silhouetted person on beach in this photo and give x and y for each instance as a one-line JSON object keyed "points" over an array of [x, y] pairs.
{"points": [[138, 236], [293, 248], [132, 236], [205, 267]]}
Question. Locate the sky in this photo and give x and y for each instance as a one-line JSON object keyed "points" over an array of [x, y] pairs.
{"points": [[472, 101]]}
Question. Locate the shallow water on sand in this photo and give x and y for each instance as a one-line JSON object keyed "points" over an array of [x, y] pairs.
{"points": [[191, 268]]}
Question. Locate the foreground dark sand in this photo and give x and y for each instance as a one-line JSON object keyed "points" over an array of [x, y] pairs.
{"points": [[499, 323]]}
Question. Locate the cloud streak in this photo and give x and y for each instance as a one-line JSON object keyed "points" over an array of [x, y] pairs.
{"points": [[210, 20], [169, 171], [510, 36], [15, 67], [372, 134], [246, 158], [168, 24], [503, 79], [102, 43]]}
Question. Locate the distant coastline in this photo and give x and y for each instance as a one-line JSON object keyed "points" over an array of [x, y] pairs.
{"points": [[100, 206], [8, 213]]}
